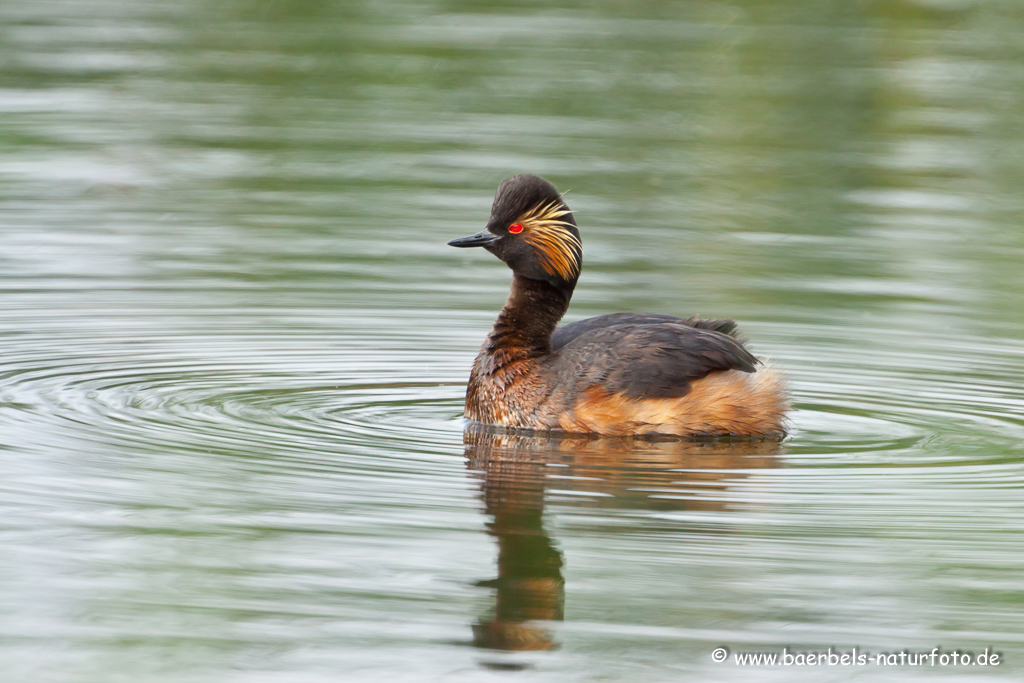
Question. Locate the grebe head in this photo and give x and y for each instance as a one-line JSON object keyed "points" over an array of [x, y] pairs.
{"points": [[533, 231]]}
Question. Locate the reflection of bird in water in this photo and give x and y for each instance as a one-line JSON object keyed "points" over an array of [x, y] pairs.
{"points": [[529, 584], [515, 471], [614, 374]]}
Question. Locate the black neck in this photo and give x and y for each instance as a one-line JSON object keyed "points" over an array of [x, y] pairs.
{"points": [[528, 319]]}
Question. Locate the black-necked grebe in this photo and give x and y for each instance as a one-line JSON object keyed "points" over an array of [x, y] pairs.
{"points": [[620, 374]]}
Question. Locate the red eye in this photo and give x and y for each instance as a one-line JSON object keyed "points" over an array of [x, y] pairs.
{"points": [[515, 228]]}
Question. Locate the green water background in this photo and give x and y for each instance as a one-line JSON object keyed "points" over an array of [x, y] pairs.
{"points": [[234, 343]]}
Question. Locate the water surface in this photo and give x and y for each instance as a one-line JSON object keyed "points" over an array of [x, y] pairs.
{"points": [[235, 344]]}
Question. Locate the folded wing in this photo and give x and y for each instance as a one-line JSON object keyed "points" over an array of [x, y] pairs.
{"points": [[646, 356], [567, 333]]}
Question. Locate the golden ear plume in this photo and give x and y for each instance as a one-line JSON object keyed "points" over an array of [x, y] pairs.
{"points": [[558, 249]]}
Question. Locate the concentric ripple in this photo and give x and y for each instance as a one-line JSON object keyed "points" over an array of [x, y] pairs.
{"points": [[233, 391], [866, 389]]}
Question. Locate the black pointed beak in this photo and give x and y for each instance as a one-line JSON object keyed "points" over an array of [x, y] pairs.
{"points": [[481, 239]]}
